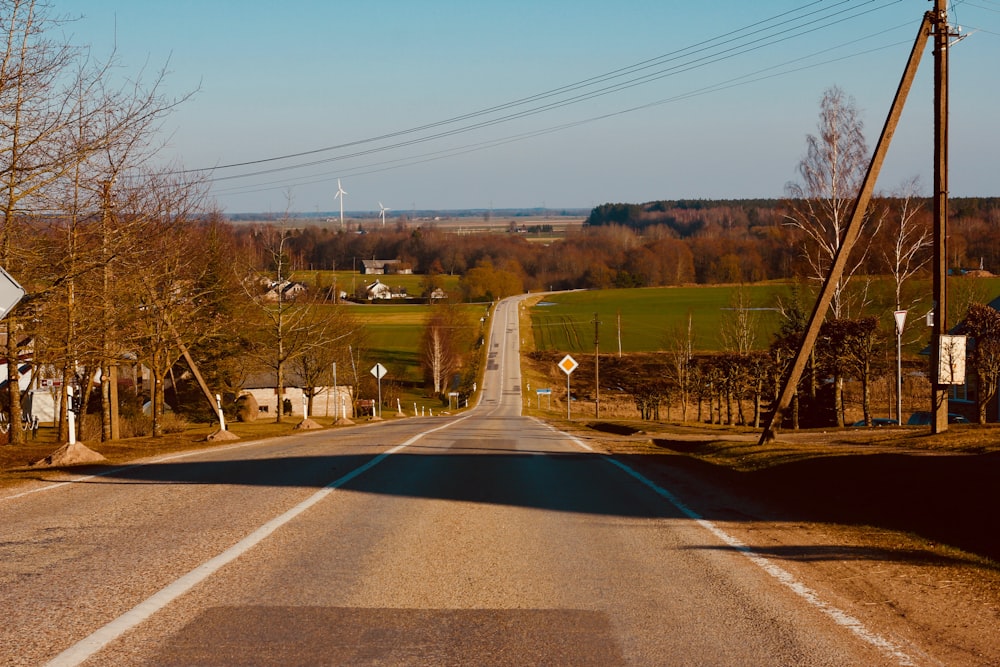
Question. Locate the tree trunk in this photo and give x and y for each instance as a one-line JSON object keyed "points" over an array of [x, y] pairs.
{"points": [[838, 399], [15, 434]]}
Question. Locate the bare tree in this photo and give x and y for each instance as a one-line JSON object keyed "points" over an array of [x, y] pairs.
{"points": [[59, 113], [447, 337], [38, 105], [863, 356], [332, 330], [679, 343], [161, 286], [982, 324], [820, 206], [911, 241], [287, 326]]}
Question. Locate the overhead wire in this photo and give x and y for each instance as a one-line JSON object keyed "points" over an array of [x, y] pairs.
{"points": [[622, 71], [746, 79], [737, 43]]}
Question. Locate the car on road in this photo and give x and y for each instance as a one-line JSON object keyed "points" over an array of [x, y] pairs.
{"points": [[923, 418], [877, 422]]}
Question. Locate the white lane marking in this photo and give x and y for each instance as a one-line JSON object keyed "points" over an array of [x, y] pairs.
{"points": [[782, 575], [88, 646]]}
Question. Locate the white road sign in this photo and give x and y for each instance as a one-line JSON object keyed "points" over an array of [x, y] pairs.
{"points": [[10, 293], [568, 364], [379, 371], [900, 316]]}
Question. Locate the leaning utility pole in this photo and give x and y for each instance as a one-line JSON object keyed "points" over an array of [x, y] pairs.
{"points": [[851, 233], [939, 390]]}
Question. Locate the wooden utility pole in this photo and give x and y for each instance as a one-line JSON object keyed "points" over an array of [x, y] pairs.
{"points": [[850, 234], [109, 365], [939, 390], [597, 367]]}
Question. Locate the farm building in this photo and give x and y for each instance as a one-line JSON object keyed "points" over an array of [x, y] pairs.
{"points": [[327, 402], [378, 267]]}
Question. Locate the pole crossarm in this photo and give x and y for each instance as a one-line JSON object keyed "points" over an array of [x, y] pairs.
{"points": [[850, 234]]}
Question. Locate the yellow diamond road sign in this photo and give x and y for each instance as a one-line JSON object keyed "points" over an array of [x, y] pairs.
{"points": [[568, 364]]}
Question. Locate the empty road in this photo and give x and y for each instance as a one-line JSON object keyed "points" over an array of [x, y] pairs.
{"points": [[483, 538]]}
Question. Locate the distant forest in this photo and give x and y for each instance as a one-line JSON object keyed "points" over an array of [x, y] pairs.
{"points": [[651, 244]]}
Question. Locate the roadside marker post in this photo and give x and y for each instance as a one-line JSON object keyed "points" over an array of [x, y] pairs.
{"points": [[379, 371]]}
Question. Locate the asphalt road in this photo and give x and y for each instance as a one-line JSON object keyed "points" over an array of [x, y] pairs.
{"points": [[484, 538]]}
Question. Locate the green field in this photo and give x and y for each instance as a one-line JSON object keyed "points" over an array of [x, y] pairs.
{"points": [[565, 321], [394, 336]]}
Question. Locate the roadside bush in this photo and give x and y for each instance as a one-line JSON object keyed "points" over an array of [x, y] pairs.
{"points": [[174, 423], [135, 425]]}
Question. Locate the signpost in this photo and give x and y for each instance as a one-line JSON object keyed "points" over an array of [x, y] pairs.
{"points": [[379, 371], [567, 366], [538, 397], [900, 316]]}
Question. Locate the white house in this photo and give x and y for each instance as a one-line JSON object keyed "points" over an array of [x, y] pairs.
{"points": [[287, 289], [378, 290]]}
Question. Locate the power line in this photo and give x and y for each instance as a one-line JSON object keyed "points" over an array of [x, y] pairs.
{"points": [[737, 41], [398, 163]]}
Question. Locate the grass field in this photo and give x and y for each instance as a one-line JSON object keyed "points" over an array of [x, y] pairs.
{"points": [[394, 336], [566, 321]]}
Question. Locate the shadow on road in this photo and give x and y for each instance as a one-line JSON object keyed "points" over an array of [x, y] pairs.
{"points": [[951, 499]]}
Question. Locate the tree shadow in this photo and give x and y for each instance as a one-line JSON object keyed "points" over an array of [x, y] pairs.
{"points": [[948, 498], [951, 499]]}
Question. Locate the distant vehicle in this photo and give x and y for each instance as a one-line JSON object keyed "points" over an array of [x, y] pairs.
{"points": [[923, 418], [877, 422]]}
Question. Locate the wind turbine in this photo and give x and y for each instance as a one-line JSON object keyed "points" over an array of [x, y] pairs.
{"points": [[382, 210], [340, 195]]}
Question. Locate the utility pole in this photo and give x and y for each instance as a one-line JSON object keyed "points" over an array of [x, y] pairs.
{"points": [[109, 366], [597, 365], [619, 333], [939, 390], [851, 232]]}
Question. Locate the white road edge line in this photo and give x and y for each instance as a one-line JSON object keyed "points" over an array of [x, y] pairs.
{"points": [[100, 638], [782, 575]]}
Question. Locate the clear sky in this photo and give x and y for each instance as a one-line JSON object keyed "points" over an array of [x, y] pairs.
{"points": [[443, 104]]}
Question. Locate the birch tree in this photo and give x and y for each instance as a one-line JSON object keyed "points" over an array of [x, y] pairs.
{"points": [[447, 337], [912, 241], [821, 204]]}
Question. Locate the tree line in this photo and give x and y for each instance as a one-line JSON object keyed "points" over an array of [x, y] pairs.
{"points": [[129, 266], [722, 242]]}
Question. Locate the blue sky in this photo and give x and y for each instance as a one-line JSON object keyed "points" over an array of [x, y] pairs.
{"points": [[735, 92]]}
